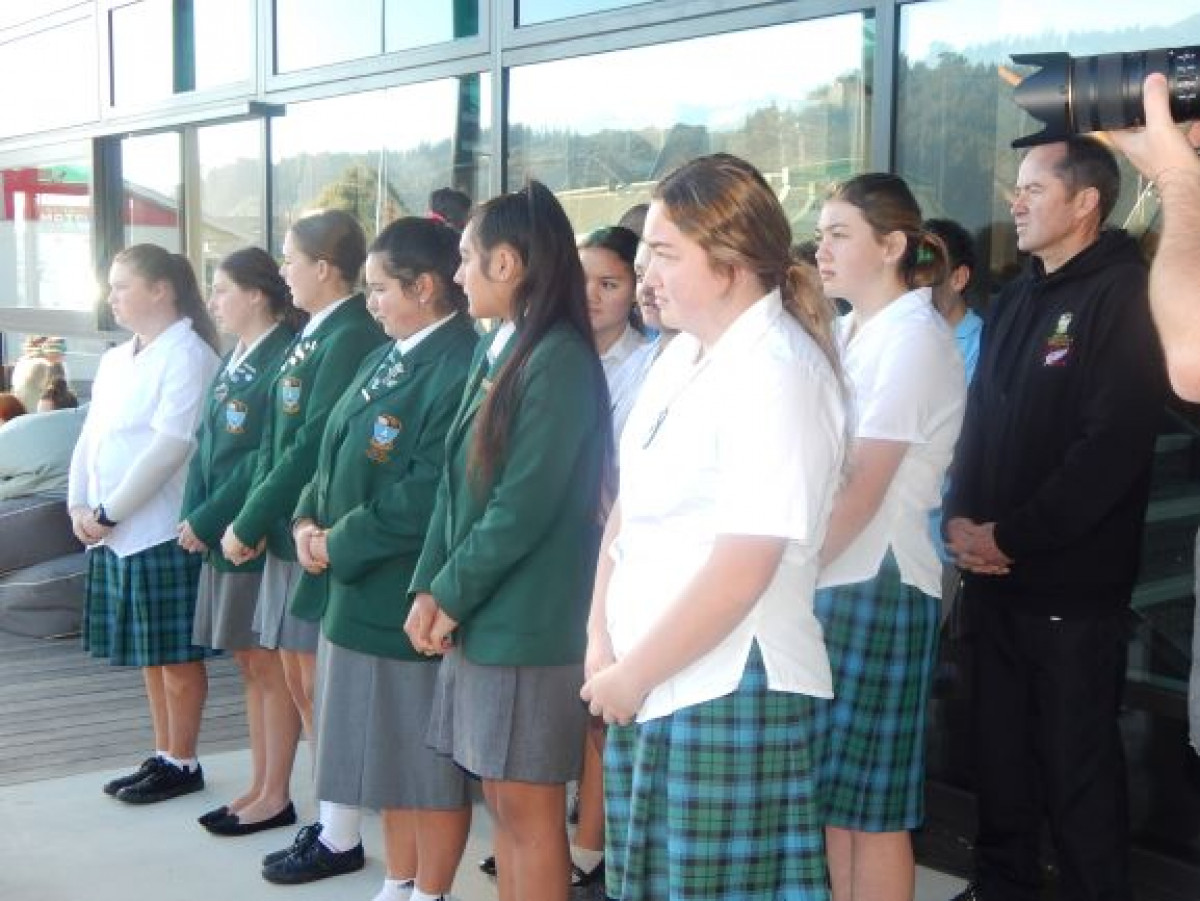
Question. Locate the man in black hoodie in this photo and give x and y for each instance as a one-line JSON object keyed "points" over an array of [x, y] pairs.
{"points": [[1050, 483]]}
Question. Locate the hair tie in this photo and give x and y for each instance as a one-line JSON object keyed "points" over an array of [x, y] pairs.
{"points": [[924, 254]]}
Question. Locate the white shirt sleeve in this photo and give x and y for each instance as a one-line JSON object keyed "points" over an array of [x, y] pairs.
{"points": [[894, 406], [779, 443], [180, 400]]}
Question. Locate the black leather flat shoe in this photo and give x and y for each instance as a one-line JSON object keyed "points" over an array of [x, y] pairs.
{"points": [[217, 813], [230, 825]]}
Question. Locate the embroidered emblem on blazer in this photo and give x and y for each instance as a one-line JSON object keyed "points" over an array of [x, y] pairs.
{"points": [[289, 394], [383, 438], [235, 417]]}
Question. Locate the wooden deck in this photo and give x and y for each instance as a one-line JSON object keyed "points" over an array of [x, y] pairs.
{"points": [[62, 712]]}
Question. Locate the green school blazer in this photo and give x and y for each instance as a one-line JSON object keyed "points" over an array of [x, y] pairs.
{"points": [[222, 467], [513, 562], [374, 487], [313, 375]]}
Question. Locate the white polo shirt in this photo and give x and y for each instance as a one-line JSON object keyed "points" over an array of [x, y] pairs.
{"points": [[161, 389], [747, 441], [624, 367], [907, 382]]}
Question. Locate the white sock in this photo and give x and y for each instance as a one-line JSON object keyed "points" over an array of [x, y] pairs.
{"points": [[183, 763], [340, 826], [585, 858], [418, 895], [395, 890], [161, 755]]}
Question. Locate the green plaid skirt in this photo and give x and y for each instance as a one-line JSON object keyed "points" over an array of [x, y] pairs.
{"points": [[882, 639], [717, 801], [138, 609]]}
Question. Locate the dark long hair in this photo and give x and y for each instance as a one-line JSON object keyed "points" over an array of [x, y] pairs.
{"points": [[415, 246], [552, 292], [622, 243], [156, 264], [253, 269]]}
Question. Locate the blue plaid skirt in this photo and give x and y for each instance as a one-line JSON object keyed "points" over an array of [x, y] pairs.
{"points": [[718, 800], [138, 610], [882, 639]]}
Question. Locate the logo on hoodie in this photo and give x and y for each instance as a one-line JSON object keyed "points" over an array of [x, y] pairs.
{"points": [[1058, 345]]}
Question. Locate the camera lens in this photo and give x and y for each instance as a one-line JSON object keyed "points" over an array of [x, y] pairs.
{"points": [[1072, 95]]}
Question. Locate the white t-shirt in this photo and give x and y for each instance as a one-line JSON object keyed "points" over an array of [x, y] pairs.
{"points": [[907, 383], [747, 441], [161, 389], [624, 367]]}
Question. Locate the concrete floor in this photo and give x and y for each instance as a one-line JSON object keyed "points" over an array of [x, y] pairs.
{"points": [[64, 840]]}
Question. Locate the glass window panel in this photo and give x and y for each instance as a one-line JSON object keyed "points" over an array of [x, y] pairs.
{"points": [[142, 52], [61, 63], [232, 182], [224, 37], [12, 14], [153, 213], [420, 23], [955, 113], [317, 32], [355, 153], [955, 121], [790, 98], [531, 12], [45, 235]]}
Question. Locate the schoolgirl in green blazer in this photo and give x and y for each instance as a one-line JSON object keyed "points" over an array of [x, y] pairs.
{"points": [[359, 527], [503, 583], [251, 302], [323, 255]]}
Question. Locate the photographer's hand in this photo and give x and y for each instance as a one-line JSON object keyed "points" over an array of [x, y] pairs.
{"points": [[1160, 147]]}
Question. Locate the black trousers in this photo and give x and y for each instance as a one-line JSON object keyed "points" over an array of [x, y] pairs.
{"points": [[1047, 695]]}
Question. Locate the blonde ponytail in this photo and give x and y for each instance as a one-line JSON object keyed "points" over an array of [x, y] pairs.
{"points": [[805, 300]]}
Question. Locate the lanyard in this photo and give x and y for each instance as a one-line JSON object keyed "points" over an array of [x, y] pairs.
{"points": [[697, 368]]}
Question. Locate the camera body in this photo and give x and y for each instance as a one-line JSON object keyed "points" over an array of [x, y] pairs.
{"points": [[1074, 95]]}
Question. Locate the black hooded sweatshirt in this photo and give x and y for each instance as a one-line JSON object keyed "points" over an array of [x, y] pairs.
{"points": [[1059, 432]]}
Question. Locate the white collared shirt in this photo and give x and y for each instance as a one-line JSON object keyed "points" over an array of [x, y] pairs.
{"points": [[316, 319], [624, 369], [747, 441], [159, 390], [907, 382], [406, 345]]}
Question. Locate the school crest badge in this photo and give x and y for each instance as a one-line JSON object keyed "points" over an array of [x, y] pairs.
{"points": [[289, 395], [235, 417], [1058, 345], [383, 438]]}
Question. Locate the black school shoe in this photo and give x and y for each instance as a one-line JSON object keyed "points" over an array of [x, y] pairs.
{"points": [[313, 862], [149, 765], [305, 837], [166, 782], [231, 825]]}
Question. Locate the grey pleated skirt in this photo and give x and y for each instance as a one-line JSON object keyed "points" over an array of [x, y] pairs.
{"points": [[510, 723], [225, 605], [276, 627], [371, 715]]}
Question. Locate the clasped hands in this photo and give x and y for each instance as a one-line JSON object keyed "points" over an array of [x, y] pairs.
{"points": [[85, 526], [974, 547], [611, 688], [312, 546], [236, 551], [429, 627]]}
